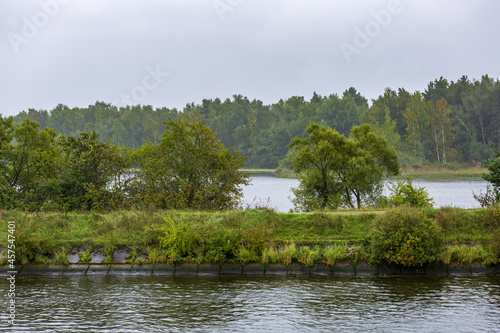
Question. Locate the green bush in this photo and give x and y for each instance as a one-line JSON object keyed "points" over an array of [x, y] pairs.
{"points": [[495, 247], [287, 254], [307, 256], [405, 237], [61, 257], [404, 193], [85, 257], [270, 255], [465, 255], [179, 240], [223, 245]]}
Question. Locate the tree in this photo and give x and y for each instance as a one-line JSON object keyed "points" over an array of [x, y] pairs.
{"points": [[336, 171], [493, 166], [93, 173], [190, 168], [34, 158]]}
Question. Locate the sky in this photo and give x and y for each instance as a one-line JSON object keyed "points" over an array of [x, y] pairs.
{"points": [[171, 53]]}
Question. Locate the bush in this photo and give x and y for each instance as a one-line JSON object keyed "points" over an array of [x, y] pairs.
{"points": [[495, 247], [489, 198], [179, 240], [405, 237], [403, 193], [465, 255]]}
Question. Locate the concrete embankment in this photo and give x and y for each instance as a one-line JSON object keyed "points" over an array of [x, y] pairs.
{"points": [[121, 265]]}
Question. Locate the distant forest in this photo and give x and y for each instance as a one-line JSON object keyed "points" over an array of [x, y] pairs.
{"points": [[449, 123]]}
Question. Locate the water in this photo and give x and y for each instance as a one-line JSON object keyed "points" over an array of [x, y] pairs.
{"points": [[114, 303], [456, 193]]}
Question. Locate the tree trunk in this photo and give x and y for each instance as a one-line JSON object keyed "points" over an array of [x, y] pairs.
{"points": [[444, 149]]}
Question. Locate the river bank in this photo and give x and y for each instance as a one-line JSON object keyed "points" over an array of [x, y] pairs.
{"points": [[261, 237], [421, 172], [344, 268]]}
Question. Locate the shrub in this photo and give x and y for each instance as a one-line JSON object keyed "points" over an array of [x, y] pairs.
{"points": [[178, 239], [334, 254], [404, 193], [353, 254], [156, 256], [465, 255], [270, 255], [85, 257], [245, 255], [307, 256], [223, 245], [495, 247], [61, 257], [489, 198], [405, 237]]}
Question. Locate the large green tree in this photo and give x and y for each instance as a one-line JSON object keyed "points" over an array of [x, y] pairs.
{"points": [[190, 168], [93, 173], [335, 170]]}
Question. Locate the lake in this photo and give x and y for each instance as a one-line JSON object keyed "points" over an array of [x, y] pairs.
{"points": [[116, 303], [456, 193]]}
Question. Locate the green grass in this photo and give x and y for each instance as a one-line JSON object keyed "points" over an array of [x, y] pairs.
{"points": [[44, 234], [442, 173], [423, 172]]}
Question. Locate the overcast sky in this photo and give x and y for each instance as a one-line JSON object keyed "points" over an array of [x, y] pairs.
{"points": [[170, 53]]}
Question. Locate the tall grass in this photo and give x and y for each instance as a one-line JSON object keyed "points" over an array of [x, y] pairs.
{"points": [[238, 236]]}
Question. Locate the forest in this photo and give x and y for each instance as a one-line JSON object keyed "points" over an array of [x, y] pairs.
{"points": [[449, 123]]}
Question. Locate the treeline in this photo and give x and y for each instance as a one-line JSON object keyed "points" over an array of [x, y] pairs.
{"points": [[187, 168], [450, 122]]}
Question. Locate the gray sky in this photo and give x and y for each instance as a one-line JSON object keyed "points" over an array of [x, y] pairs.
{"points": [[170, 53]]}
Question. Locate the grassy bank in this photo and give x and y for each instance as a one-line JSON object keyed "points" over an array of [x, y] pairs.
{"points": [[421, 172], [234, 236], [436, 173]]}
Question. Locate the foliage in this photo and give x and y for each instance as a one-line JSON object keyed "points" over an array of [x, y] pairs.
{"points": [[191, 168], [493, 166], [492, 195], [495, 247], [270, 255], [404, 193], [307, 256], [61, 257], [287, 253], [90, 168], [179, 240], [465, 255], [405, 237], [222, 245], [489, 198], [335, 170], [230, 236], [85, 256], [353, 254], [450, 121]]}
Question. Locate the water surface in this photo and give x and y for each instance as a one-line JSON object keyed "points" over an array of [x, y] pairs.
{"points": [[276, 192], [114, 303]]}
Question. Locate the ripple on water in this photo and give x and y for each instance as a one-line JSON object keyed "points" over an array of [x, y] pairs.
{"points": [[251, 304]]}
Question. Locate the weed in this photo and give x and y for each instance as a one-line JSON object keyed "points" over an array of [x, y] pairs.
{"points": [[156, 256], [85, 257], [307, 256], [61, 257], [270, 255], [41, 259], [288, 253]]}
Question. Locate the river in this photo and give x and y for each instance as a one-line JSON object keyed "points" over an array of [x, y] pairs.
{"points": [[116, 303], [275, 192]]}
